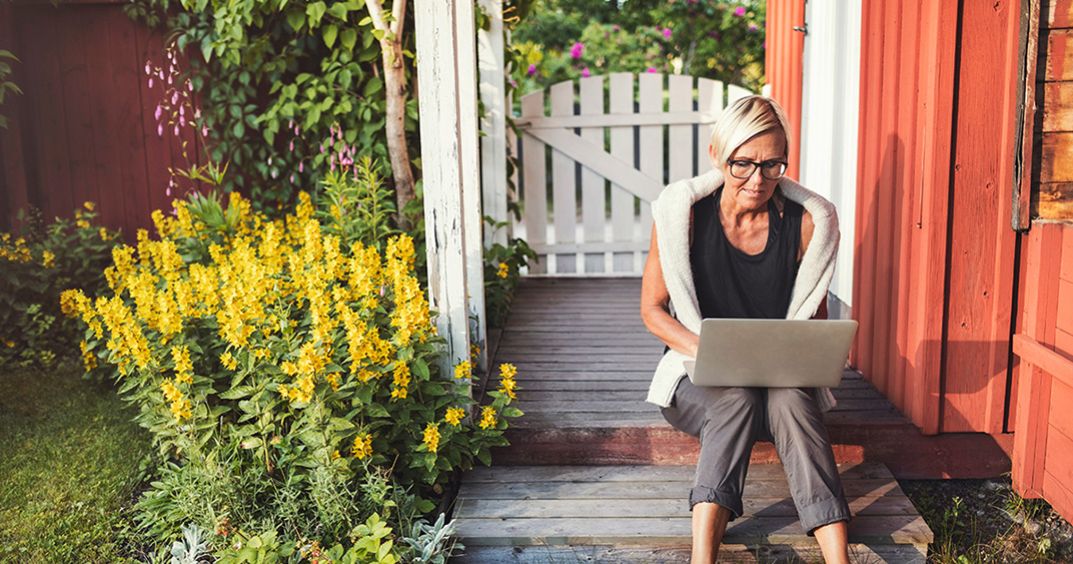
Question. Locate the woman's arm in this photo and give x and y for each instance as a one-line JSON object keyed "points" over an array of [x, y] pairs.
{"points": [[654, 307], [807, 227]]}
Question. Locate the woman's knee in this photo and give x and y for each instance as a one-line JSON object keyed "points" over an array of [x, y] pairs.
{"points": [[743, 403]]}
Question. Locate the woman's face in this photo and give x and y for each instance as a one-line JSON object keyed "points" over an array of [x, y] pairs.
{"points": [[755, 191]]}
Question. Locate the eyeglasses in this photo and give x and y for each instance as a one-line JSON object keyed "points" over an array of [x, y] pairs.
{"points": [[771, 169]]}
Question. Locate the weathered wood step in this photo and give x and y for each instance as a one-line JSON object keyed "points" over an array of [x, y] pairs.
{"points": [[641, 513]]}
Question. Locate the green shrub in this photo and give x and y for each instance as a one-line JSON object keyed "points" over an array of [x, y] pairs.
{"points": [[36, 264], [279, 368]]}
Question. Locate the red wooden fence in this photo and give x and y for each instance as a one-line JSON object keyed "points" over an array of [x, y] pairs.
{"points": [[84, 128], [1043, 343]]}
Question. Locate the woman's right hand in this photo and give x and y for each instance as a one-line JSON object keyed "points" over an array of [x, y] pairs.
{"points": [[655, 300]]}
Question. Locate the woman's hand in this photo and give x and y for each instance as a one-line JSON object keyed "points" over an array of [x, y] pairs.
{"points": [[654, 307]]}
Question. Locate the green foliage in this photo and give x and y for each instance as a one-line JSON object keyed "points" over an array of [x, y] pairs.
{"points": [[37, 262], [278, 368], [502, 264], [564, 40], [276, 80], [6, 85], [71, 460]]}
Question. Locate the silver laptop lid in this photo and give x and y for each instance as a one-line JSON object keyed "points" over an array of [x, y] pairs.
{"points": [[772, 353]]}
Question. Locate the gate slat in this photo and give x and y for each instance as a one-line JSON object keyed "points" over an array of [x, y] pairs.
{"points": [[680, 89], [709, 101], [622, 148], [536, 203], [564, 187], [593, 217], [651, 100], [734, 92]]}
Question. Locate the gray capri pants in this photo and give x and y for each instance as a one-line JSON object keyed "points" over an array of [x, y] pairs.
{"points": [[729, 420]]}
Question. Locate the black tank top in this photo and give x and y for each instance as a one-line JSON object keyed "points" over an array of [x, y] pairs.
{"points": [[732, 283]]}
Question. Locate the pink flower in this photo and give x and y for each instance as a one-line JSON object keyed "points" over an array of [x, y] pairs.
{"points": [[157, 113], [147, 66], [585, 72], [150, 82], [666, 33], [301, 166], [577, 50], [292, 145], [739, 11], [204, 131], [159, 130], [175, 97], [176, 130], [531, 70], [651, 69]]}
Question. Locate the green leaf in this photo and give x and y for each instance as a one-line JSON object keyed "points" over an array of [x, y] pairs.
{"points": [[238, 130], [339, 10], [295, 18], [349, 38], [330, 32], [315, 11]]}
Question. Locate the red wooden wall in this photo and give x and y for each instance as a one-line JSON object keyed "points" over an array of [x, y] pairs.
{"points": [[783, 67], [84, 127], [933, 278]]}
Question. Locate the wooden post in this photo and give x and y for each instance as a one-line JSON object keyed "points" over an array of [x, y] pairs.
{"points": [[446, 71], [492, 88]]}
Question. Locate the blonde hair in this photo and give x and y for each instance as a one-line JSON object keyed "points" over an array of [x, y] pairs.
{"points": [[744, 119]]}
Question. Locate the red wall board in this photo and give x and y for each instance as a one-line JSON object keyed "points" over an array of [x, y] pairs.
{"points": [[783, 66]]}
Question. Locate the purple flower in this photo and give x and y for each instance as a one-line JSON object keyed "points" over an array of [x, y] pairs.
{"points": [[666, 33], [531, 70], [753, 27], [577, 50], [651, 69], [739, 11], [764, 45], [585, 72]]}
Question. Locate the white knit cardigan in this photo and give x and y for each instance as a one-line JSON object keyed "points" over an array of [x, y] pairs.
{"points": [[671, 215]]}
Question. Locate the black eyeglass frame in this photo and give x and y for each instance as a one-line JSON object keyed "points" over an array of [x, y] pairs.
{"points": [[754, 165]]}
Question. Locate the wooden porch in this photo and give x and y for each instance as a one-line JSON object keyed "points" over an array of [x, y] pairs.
{"points": [[584, 363]]}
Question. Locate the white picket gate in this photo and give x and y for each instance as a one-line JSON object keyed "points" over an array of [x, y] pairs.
{"points": [[622, 153]]}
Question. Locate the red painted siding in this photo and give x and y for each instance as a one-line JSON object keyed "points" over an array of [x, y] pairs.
{"points": [[908, 63], [84, 127], [933, 279], [783, 67]]}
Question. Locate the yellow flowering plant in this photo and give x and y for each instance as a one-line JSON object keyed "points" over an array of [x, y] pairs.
{"points": [[501, 272], [283, 345], [37, 262]]}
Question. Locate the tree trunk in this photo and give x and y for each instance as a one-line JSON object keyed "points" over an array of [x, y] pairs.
{"points": [[395, 126]]}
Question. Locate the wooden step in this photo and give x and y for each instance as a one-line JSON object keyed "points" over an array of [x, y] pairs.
{"points": [[641, 514], [584, 364]]}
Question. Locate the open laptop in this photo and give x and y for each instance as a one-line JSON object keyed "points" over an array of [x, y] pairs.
{"points": [[771, 353]]}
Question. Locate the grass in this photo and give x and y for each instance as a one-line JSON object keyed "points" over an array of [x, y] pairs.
{"points": [[986, 521], [70, 462]]}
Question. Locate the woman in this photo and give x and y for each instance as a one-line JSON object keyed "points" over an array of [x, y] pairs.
{"points": [[743, 241]]}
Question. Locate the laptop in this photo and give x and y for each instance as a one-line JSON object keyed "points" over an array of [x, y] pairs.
{"points": [[771, 353]]}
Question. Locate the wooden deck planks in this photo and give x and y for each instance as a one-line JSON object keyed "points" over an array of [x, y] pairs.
{"points": [[648, 505]]}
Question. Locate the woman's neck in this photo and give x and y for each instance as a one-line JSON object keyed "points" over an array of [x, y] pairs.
{"points": [[735, 215]]}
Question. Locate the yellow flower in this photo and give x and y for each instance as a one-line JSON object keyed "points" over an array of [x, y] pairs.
{"points": [[9, 344], [507, 370], [504, 270], [488, 417], [89, 205], [454, 415], [463, 369], [432, 437], [507, 386], [89, 360], [228, 361], [103, 233], [48, 259], [363, 446], [82, 224]]}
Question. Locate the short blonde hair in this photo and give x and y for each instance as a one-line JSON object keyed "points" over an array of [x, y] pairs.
{"points": [[744, 119]]}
